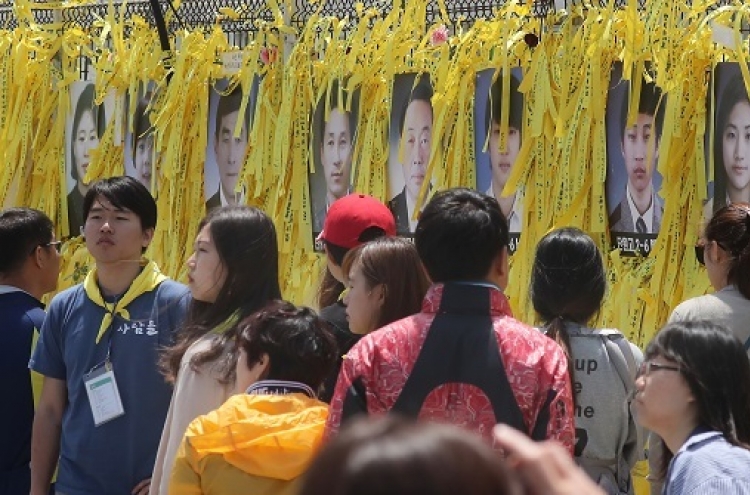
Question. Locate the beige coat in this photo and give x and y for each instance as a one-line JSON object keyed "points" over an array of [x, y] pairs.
{"points": [[195, 394]]}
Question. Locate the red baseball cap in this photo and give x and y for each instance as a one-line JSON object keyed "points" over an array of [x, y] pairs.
{"points": [[351, 215]]}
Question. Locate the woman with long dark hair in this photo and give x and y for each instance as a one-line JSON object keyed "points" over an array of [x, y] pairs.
{"points": [[233, 273], [693, 390], [567, 287]]}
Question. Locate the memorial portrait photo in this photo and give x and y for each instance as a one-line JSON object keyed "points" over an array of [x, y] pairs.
{"points": [[410, 137], [633, 183], [333, 133], [731, 140], [225, 154], [495, 159], [84, 128]]}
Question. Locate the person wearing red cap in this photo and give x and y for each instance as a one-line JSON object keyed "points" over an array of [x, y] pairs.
{"points": [[351, 221]]}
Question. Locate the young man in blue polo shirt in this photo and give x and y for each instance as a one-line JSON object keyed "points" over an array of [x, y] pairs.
{"points": [[103, 400], [29, 266]]}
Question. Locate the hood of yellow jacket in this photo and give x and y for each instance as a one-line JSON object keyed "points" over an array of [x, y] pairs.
{"points": [[274, 436]]}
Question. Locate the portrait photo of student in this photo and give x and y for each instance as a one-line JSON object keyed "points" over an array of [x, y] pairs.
{"points": [[333, 136], [633, 183], [731, 139], [410, 137], [495, 160], [84, 129], [140, 154], [226, 153]]}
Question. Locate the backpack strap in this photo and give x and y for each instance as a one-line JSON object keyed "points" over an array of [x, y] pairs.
{"points": [[621, 354], [619, 351]]}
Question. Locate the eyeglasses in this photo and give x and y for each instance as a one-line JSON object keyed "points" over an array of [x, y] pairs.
{"points": [[648, 366], [56, 244], [700, 250]]}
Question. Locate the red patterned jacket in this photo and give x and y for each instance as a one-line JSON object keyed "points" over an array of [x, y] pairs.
{"points": [[379, 367]]}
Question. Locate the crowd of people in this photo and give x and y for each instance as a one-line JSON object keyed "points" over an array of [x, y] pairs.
{"points": [[413, 378]]}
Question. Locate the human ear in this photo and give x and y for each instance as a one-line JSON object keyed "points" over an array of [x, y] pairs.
{"points": [[148, 235], [379, 292], [39, 257]]}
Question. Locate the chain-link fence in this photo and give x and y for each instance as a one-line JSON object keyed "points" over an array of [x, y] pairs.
{"points": [[239, 19]]}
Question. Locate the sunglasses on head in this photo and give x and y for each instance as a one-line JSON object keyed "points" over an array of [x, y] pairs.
{"points": [[700, 251]]}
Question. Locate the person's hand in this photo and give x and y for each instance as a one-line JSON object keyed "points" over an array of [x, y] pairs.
{"points": [[142, 487], [545, 468]]}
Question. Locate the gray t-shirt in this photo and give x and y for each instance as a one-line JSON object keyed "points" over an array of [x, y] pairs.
{"points": [[726, 306], [605, 429]]}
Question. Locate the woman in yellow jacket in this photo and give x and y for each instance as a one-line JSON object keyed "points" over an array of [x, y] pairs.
{"points": [[262, 440]]}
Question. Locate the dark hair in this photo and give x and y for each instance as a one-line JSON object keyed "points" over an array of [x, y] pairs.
{"points": [[86, 104], [231, 103], [715, 366], [495, 102], [648, 104], [141, 120], [734, 92], [330, 289], [459, 234], [394, 263], [21, 231], [421, 92], [124, 193], [245, 239], [396, 456], [338, 252], [730, 227], [567, 283], [299, 344]]}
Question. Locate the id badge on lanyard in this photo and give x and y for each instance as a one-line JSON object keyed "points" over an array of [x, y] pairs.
{"points": [[104, 396]]}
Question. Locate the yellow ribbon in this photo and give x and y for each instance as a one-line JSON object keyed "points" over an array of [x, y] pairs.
{"points": [[146, 281]]}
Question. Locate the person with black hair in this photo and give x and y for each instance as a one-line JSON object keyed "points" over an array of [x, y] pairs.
{"points": [[415, 142], [463, 359], [228, 149], [103, 399], [641, 208], [29, 267], [232, 273], [89, 122], [567, 287], [503, 161], [264, 438], [351, 221], [693, 390]]}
